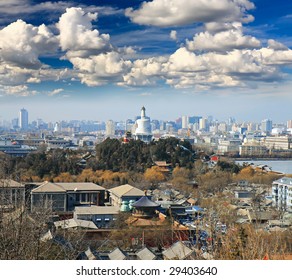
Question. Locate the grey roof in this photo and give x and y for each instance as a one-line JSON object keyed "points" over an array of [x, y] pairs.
{"points": [[284, 181], [178, 251], [90, 255], [126, 190], [8, 183], [65, 187], [117, 254], [146, 254], [144, 201], [73, 223], [96, 210]]}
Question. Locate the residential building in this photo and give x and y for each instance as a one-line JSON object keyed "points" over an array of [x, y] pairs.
{"points": [[230, 146], [125, 195], [282, 194], [63, 197], [101, 216], [279, 142], [12, 194], [252, 148]]}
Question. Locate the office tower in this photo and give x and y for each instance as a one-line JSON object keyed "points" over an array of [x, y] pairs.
{"points": [[23, 119], [110, 128], [266, 125], [289, 124], [203, 124], [185, 122]]}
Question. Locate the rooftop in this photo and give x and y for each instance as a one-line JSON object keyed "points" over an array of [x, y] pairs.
{"points": [[65, 187], [126, 190], [97, 210]]}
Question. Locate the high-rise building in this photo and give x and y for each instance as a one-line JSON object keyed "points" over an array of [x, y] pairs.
{"points": [[266, 126], [203, 124], [110, 128], [289, 124], [23, 119], [185, 122]]}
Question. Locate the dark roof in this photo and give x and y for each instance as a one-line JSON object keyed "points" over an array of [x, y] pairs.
{"points": [[144, 201]]}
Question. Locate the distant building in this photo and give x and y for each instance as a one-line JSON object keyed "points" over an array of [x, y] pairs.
{"points": [[143, 129], [110, 128], [23, 119], [185, 122], [266, 126], [279, 142], [228, 146]]}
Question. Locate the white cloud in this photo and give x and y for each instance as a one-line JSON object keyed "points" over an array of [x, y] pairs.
{"points": [[56, 91], [77, 36], [173, 35], [165, 13], [225, 40], [22, 43]]}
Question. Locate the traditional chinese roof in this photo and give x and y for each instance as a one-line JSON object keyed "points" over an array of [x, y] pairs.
{"points": [[126, 190], [145, 202]]}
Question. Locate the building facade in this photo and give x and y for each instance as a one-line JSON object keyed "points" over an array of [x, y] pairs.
{"points": [[282, 194], [63, 197]]}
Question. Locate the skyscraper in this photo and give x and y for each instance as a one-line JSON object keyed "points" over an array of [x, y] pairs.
{"points": [[110, 128], [23, 119], [185, 122], [266, 126]]}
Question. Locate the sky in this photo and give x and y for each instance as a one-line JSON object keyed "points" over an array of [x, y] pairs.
{"points": [[105, 59]]}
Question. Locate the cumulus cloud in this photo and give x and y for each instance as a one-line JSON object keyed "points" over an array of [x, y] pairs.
{"points": [[77, 36], [173, 35], [22, 43], [224, 40], [165, 13]]}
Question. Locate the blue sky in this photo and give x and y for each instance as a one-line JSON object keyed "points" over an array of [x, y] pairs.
{"points": [[99, 60]]}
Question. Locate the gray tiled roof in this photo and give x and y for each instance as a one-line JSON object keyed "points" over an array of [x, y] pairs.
{"points": [[117, 254]]}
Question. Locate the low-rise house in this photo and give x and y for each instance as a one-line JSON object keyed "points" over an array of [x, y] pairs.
{"points": [[123, 196], [146, 254], [178, 251], [63, 197], [118, 254], [74, 224], [101, 216], [12, 194]]}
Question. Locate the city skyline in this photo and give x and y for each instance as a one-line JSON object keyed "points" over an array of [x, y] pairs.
{"points": [[75, 60]]}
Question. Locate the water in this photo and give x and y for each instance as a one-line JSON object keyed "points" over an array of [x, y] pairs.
{"points": [[284, 166]]}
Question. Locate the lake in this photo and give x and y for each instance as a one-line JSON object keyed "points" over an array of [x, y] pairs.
{"points": [[284, 166]]}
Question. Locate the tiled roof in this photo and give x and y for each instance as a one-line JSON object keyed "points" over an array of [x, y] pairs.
{"points": [[144, 201], [64, 187], [117, 254], [126, 190], [8, 183], [146, 254], [178, 251], [96, 210]]}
